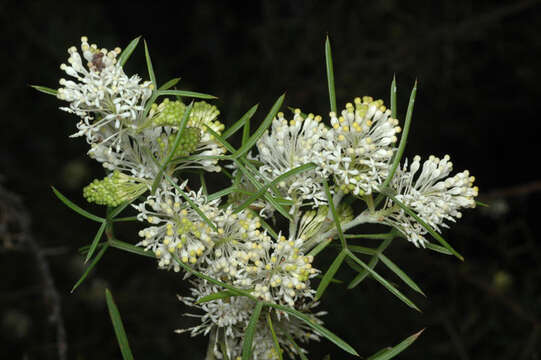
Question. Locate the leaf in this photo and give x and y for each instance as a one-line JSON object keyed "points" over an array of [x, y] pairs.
{"points": [[95, 242], [401, 274], [76, 208], [90, 267], [221, 193], [370, 236], [402, 145], [330, 274], [216, 296], [185, 93], [393, 98], [384, 282], [330, 75], [428, 228], [249, 176], [322, 245], [274, 337], [45, 90], [189, 269], [240, 123], [249, 334], [125, 55], [335, 215], [389, 353], [119, 209], [119, 328], [261, 129], [169, 84], [482, 204], [124, 246], [438, 248], [372, 264], [149, 67], [317, 328], [278, 179]]}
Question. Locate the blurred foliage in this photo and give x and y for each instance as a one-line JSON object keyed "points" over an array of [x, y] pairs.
{"points": [[476, 64]]}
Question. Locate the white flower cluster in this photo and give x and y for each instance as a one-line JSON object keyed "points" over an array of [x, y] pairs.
{"points": [[433, 195], [139, 141]]}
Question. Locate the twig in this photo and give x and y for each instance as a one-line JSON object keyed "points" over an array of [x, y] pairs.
{"points": [[13, 211]]}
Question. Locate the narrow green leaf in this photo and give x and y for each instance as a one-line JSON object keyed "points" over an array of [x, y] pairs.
{"points": [[45, 90], [428, 228], [400, 273], [223, 192], [317, 328], [482, 204], [119, 209], [185, 93], [245, 132], [151, 74], [274, 337], [372, 264], [190, 270], [266, 226], [438, 248], [370, 236], [268, 196], [216, 296], [168, 85], [249, 176], [362, 250], [389, 353], [335, 216], [90, 267], [203, 183], [402, 145], [124, 246], [261, 129], [240, 123], [322, 245], [393, 98], [125, 219], [125, 55], [330, 274], [95, 242], [167, 160], [76, 208], [119, 328], [384, 282], [278, 179], [249, 334], [330, 75]]}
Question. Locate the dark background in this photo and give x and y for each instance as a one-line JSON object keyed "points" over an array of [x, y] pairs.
{"points": [[478, 100]]}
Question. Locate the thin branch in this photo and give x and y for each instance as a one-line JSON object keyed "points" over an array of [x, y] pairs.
{"points": [[13, 211]]}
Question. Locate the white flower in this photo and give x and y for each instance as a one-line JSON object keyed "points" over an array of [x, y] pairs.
{"points": [[282, 275], [432, 195], [288, 146], [360, 146], [101, 93], [178, 229], [229, 315]]}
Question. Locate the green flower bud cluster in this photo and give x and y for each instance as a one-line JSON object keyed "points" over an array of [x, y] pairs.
{"points": [[203, 114], [170, 113], [113, 190], [188, 142]]}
